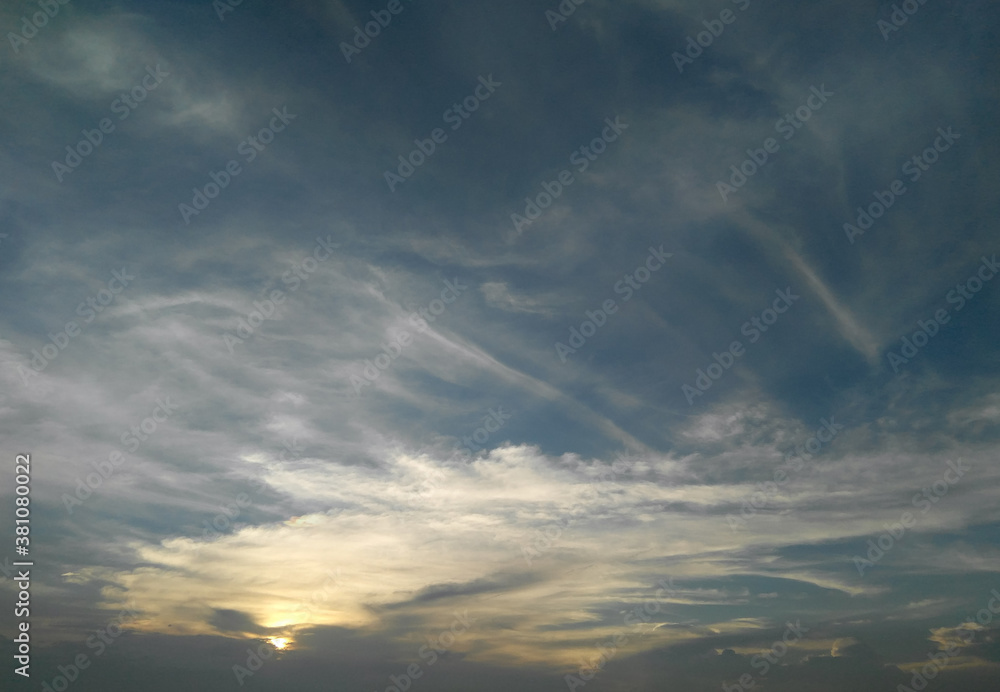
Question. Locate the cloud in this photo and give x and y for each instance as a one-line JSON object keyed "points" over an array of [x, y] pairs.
{"points": [[498, 295], [278, 501]]}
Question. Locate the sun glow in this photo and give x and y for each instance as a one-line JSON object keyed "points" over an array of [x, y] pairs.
{"points": [[279, 643]]}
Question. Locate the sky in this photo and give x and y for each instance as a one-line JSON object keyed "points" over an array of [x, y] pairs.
{"points": [[433, 345]]}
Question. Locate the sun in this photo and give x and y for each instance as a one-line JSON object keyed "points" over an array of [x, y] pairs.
{"points": [[279, 643]]}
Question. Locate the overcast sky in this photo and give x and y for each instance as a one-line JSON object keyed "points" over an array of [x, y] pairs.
{"points": [[439, 345]]}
